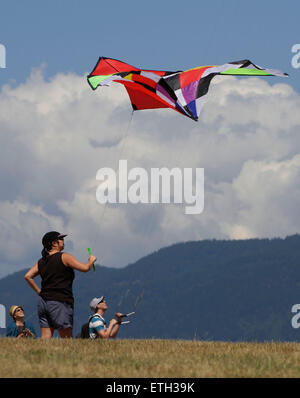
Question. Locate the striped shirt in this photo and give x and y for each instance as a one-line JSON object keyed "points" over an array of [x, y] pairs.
{"points": [[96, 323]]}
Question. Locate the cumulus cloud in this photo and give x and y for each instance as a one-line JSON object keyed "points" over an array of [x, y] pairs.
{"points": [[55, 135], [20, 225]]}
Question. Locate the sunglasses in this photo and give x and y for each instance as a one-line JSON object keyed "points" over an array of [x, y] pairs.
{"points": [[19, 309]]}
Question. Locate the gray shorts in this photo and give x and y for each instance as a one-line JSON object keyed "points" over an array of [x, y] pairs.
{"points": [[55, 314]]}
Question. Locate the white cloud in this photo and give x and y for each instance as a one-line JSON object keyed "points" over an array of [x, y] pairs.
{"points": [[20, 234], [269, 192], [56, 134]]}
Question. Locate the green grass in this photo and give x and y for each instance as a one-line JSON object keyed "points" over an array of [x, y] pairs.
{"points": [[147, 358]]}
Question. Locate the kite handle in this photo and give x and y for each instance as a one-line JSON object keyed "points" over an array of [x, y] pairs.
{"points": [[129, 314], [90, 253]]}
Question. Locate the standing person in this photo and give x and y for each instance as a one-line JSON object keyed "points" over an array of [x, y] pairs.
{"points": [[56, 301], [97, 324], [18, 328]]}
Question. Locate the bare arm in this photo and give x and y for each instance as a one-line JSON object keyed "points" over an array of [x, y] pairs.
{"points": [[111, 331], [30, 275], [72, 262], [115, 330], [116, 326]]}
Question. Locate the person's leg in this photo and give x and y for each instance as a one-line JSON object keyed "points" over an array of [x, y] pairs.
{"points": [[47, 333], [66, 333], [47, 329], [61, 315]]}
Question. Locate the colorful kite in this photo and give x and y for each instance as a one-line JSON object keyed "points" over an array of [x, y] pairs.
{"points": [[182, 91]]}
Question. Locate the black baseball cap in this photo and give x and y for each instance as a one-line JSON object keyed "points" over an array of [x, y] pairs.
{"points": [[51, 236]]}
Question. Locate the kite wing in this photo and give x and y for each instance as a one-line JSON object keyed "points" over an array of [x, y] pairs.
{"points": [[182, 91], [141, 84]]}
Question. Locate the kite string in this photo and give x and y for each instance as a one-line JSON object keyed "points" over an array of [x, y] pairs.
{"points": [[125, 136], [170, 161], [101, 218]]}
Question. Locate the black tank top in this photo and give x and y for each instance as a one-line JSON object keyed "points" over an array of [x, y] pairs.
{"points": [[57, 279]]}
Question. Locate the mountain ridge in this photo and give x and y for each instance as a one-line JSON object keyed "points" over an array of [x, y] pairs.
{"points": [[231, 290]]}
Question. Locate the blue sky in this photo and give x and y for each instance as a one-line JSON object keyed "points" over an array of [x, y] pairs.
{"points": [[70, 35], [55, 132]]}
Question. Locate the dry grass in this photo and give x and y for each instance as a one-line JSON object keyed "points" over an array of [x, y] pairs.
{"points": [[147, 358]]}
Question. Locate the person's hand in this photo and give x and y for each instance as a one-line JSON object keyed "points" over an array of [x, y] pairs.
{"points": [[27, 333], [92, 259], [113, 322], [119, 316], [20, 335]]}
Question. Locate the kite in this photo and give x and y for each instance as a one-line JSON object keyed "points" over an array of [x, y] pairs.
{"points": [[182, 91]]}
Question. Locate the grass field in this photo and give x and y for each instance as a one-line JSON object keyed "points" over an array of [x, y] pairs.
{"points": [[147, 358]]}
